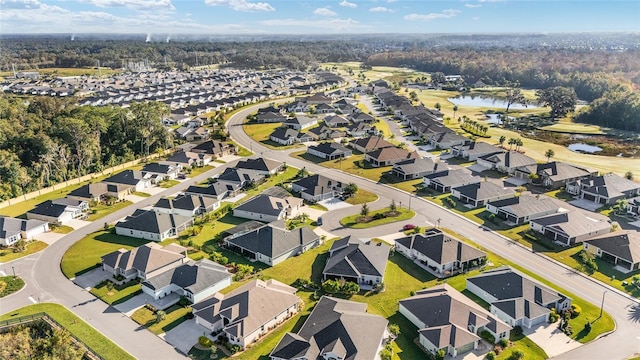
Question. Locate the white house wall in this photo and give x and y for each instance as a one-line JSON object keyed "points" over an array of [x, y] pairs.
{"points": [[211, 290], [255, 216], [480, 293]]}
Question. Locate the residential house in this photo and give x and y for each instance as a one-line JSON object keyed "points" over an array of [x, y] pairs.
{"points": [[605, 189], [356, 261], [329, 150], [519, 210], [632, 206], [216, 148], [318, 98], [272, 243], [300, 122], [571, 227], [446, 139], [238, 179], [480, 193], [553, 175], [389, 156], [248, 312], [317, 188], [185, 159], [442, 254], [359, 117], [268, 208], [92, 192], [416, 168], [145, 261], [271, 117], [371, 143], [335, 329], [447, 320], [326, 133], [57, 211], [286, 136], [515, 298], [324, 109], [161, 172], [506, 162], [298, 107], [186, 205], [472, 150], [152, 225], [335, 121], [620, 248], [198, 134], [262, 165], [134, 179], [216, 191], [13, 230], [360, 130], [445, 180], [194, 280]]}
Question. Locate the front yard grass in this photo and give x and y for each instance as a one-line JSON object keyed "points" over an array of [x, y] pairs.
{"points": [[199, 170], [102, 209], [522, 343], [362, 196], [61, 229], [352, 220], [7, 254], [165, 184], [119, 293], [174, 317], [242, 151], [76, 326], [354, 164], [85, 254], [10, 284], [141, 194]]}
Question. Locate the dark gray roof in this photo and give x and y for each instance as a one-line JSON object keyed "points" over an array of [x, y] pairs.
{"points": [[48, 208], [330, 148], [340, 326], [624, 244], [240, 176], [186, 202], [11, 226], [274, 241], [419, 165], [90, 191], [244, 227], [505, 283], [316, 184], [265, 204], [145, 258], [357, 259], [284, 133], [157, 168], [510, 159], [609, 185], [194, 276], [441, 247], [127, 177], [261, 164], [453, 177], [216, 190], [213, 147], [152, 222], [483, 190]]}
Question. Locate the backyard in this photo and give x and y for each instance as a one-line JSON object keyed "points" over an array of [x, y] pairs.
{"points": [[174, 316]]}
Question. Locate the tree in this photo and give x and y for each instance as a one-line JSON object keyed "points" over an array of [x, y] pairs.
{"points": [[438, 78], [331, 286], [455, 109], [562, 100], [517, 355], [549, 154], [393, 207], [511, 142], [364, 210], [628, 175], [160, 315], [350, 190], [394, 329], [514, 96], [518, 143], [437, 106], [502, 139], [350, 288]]}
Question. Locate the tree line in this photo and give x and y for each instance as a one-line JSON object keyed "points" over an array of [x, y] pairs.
{"points": [[48, 140]]}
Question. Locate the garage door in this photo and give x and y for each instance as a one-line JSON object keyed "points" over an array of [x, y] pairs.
{"points": [[539, 320], [465, 348]]}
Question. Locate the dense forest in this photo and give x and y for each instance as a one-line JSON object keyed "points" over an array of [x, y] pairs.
{"points": [[39, 341], [49, 140]]}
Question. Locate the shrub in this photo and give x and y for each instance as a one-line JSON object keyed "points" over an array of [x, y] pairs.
{"points": [[487, 336], [204, 341], [517, 330], [504, 343], [385, 354], [378, 216], [575, 310], [189, 316], [440, 354], [490, 355], [394, 329], [517, 355]]}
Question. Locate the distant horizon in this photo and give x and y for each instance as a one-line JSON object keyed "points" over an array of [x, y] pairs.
{"points": [[320, 17]]}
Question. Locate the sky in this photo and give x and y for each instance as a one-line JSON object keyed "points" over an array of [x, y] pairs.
{"points": [[161, 18]]}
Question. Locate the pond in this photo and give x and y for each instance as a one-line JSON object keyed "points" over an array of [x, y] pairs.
{"points": [[489, 102], [584, 148], [496, 119]]}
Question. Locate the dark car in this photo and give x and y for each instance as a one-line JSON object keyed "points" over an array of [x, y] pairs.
{"points": [[408, 227]]}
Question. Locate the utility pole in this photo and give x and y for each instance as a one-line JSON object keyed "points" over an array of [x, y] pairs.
{"points": [[14, 272], [602, 305]]}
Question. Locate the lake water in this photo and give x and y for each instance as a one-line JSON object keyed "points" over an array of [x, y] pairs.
{"points": [[495, 119], [585, 148], [489, 102]]}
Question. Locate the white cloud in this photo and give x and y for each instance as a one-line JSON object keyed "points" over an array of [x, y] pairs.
{"points": [[445, 14], [133, 4], [324, 24], [241, 5], [324, 12], [381, 9], [345, 3], [472, 5], [392, 1]]}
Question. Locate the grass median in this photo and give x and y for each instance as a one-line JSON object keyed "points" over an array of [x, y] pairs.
{"points": [[376, 218]]}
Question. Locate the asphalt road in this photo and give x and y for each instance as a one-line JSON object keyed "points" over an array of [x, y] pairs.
{"points": [[46, 283], [621, 344]]}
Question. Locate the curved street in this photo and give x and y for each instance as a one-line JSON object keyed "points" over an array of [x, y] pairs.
{"points": [[46, 283]]}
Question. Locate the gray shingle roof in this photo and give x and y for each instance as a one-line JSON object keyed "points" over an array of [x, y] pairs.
{"points": [[127, 177], [274, 241], [483, 190], [261, 164], [268, 205], [90, 191], [609, 185], [150, 221], [48, 208], [441, 247], [330, 148], [12, 226], [145, 258], [528, 204], [194, 276], [624, 244], [357, 259], [574, 223]]}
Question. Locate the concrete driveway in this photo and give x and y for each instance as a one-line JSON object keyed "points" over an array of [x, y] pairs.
{"points": [[92, 278], [334, 203], [553, 341], [185, 335], [130, 306], [50, 237], [77, 223], [586, 204]]}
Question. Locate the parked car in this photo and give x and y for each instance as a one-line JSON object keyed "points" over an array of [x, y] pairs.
{"points": [[408, 227], [319, 221]]}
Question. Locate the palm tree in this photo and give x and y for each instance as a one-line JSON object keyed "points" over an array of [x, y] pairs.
{"points": [[455, 108], [549, 154], [437, 106], [502, 140], [519, 143], [511, 142]]}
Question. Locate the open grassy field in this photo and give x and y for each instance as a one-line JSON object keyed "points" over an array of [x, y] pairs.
{"points": [[7, 254], [85, 254], [93, 71], [76, 326], [261, 132], [362, 196]]}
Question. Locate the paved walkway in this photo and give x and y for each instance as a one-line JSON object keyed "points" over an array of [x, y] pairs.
{"points": [[185, 335], [553, 341]]}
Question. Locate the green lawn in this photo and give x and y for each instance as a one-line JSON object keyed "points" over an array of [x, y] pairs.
{"points": [[87, 334], [530, 349], [354, 164], [318, 207], [141, 194], [119, 293], [10, 284], [165, 184], [62, 229], [21, 207], [103, 209], [281, 178], [352, 220], [362, 196], [85, 254], [174, 317], [7, 254], [242, 151], [199, 170]]}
